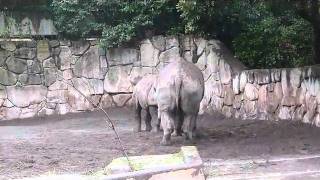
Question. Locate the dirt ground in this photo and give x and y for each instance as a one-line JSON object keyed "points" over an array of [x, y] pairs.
{"points": [[231, 149]]}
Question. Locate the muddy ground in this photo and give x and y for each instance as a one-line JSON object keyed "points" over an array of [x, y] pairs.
{"points": [[231, 149]]}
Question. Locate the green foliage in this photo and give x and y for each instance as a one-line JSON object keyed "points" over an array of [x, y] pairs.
{"points": [[117, 21], [260, 35], [75, 18], [272, 39], [195, 13]]}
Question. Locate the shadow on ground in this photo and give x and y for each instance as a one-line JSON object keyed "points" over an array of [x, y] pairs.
{"points": [[232, 149]]}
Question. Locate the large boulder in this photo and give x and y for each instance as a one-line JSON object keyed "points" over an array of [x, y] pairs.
{"points": [[54, 43], [66, 58], [202, 62], [159, 42], [77, 101], [225, 72], [88, 65], [243, 81], [106, 101], [262, 76], [213, 61], [263, 99], [316, 120], [312, 85], [122, 56], [49, 63], [236, 84], [216, 103], [286, 113], [7, 45], [299, 113], [149, 55], [34, 67], [120, 100], [3, 56], [63, 109], [228, 95], [88, 86], [172, 41], [57, 96], [10, 113], [275, 75], [27, 95], [217, 89], [50, 76], [79, 47], [285, 82], [29, 111], [117, 80], [43, 51], [3, 96], [295, 77], [250, 109], [273, 102], [201, 45], [7, 78], [288, 101], [251, 92], [58, 85], [25, 53], [228, 111], [16, 65], [30, 79], [311, 109]]}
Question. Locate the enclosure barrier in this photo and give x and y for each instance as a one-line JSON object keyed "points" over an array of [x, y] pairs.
{"points": [[29, 85]]}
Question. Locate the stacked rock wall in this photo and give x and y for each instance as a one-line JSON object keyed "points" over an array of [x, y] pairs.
{"points": [[33, 76], [285, 94]]}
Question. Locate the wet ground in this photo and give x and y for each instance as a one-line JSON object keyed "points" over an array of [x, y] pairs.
{"points": [[231, 149]]}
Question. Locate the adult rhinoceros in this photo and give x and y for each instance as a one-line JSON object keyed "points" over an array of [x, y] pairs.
{"points": [[144, 98], [180, 88]]}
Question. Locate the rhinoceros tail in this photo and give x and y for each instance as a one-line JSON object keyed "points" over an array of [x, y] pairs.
{"points": [[178, 84]]}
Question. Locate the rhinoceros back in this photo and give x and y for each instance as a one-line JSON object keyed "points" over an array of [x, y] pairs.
{"points": [[180, 83]]}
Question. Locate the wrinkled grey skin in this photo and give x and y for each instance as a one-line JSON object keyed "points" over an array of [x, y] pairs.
{"points": [[180, 89], [144, 98]]}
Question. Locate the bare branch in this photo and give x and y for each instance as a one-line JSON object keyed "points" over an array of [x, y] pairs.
{"points": [[108, 121]]}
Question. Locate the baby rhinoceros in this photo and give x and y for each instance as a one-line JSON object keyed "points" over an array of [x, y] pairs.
{"points": [[144, 98]]}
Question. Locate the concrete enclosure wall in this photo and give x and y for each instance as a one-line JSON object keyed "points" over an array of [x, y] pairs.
{"points": [[32, 73], [26, 24]]}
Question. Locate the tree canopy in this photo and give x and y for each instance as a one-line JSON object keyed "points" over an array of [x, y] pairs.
{"points": [[262, 34]]}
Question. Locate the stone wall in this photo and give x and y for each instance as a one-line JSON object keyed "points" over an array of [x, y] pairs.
{"points": [[31, 79], [273, 94]]}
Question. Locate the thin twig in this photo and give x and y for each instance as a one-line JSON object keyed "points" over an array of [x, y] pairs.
{"points": [[109, 121]]}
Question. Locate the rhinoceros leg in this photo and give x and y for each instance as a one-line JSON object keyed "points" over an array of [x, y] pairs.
{"points": [[138, 109], [158, 121], [148, 118], [190, 126], [179, 117], [167, 125]]}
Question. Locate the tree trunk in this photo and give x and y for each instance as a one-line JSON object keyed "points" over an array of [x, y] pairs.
{"points": [[316, 44]]}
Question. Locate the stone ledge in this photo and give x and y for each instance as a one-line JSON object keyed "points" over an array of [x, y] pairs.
{"points": [[187, 160]]}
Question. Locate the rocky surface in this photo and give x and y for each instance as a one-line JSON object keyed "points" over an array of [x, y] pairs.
{"points": [[34, 77]]}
